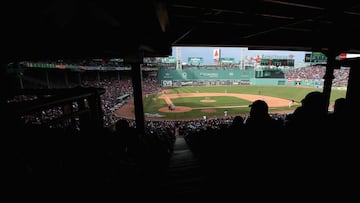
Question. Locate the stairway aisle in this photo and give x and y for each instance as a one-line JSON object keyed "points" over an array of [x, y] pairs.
{"points": [[185, 176]]}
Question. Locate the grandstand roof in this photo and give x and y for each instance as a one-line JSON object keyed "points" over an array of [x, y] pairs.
{"points": [[78, 29]]}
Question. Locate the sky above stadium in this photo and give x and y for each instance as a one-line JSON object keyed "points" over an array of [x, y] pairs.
{"points": [[207, 54]]}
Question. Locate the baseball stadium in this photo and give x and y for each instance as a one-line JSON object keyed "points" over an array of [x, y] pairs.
{"points": [[198, 115], [188, 92], [197, 91], [180, 100]]}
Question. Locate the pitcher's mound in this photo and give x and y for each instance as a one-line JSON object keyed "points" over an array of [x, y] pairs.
{"points": [[177, 109]]}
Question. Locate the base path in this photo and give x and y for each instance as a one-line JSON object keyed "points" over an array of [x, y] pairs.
{"points": [[271, 101]]}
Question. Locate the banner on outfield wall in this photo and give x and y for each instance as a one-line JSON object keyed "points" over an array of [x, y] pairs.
{"points": [[204, 74], [166, 83]]}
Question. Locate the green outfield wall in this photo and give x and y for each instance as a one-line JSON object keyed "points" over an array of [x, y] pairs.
{"points": [[204, 77], [176, 78]]}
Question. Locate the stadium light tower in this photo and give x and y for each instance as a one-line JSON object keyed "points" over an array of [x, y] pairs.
{"points": [[178, 58], [242, 57]]}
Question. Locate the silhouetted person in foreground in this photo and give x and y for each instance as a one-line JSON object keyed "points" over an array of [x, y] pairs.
{"points": [[128, 139], [311, 115], [340, 106], [259, 119], [237, 123], [236, 129], [340, 118]]}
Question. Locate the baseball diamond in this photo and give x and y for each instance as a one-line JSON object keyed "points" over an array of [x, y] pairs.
{"points": [[195, 102]]}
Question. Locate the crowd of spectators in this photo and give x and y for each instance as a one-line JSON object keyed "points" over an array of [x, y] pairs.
{"points": [[317, 72], [83, 62], [224, 66], [258, 141], [118, 91], [301, 148], [57, 162], [150, 85], [113, 90]]}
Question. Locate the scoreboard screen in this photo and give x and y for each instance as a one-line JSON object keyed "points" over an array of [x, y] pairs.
{"points": [[277, 62]]}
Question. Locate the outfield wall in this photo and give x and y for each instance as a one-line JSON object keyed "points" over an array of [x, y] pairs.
{"points": [[204, 77], [177, 78], [287, 82], [268, 81]]}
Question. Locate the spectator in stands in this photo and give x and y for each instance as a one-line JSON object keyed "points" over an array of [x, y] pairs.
{"points": [[340, 116], [340, 106], [128, 138], [259, 118], [311, 113], [237, 124], [122, 125]]}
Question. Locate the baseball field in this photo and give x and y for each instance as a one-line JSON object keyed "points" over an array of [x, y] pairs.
{"points": [[216, 101]]}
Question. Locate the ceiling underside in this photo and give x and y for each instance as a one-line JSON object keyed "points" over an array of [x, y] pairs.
{"points": [[78, 29]]}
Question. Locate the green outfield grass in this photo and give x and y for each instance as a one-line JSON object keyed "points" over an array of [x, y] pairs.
{"points": [[152, 103]]}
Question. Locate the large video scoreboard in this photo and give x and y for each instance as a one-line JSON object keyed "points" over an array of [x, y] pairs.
{"points": [[277, 62]]}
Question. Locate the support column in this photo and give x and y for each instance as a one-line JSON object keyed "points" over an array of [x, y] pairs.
{"points": [[96, 113], [328, 77], [137, 90]]}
